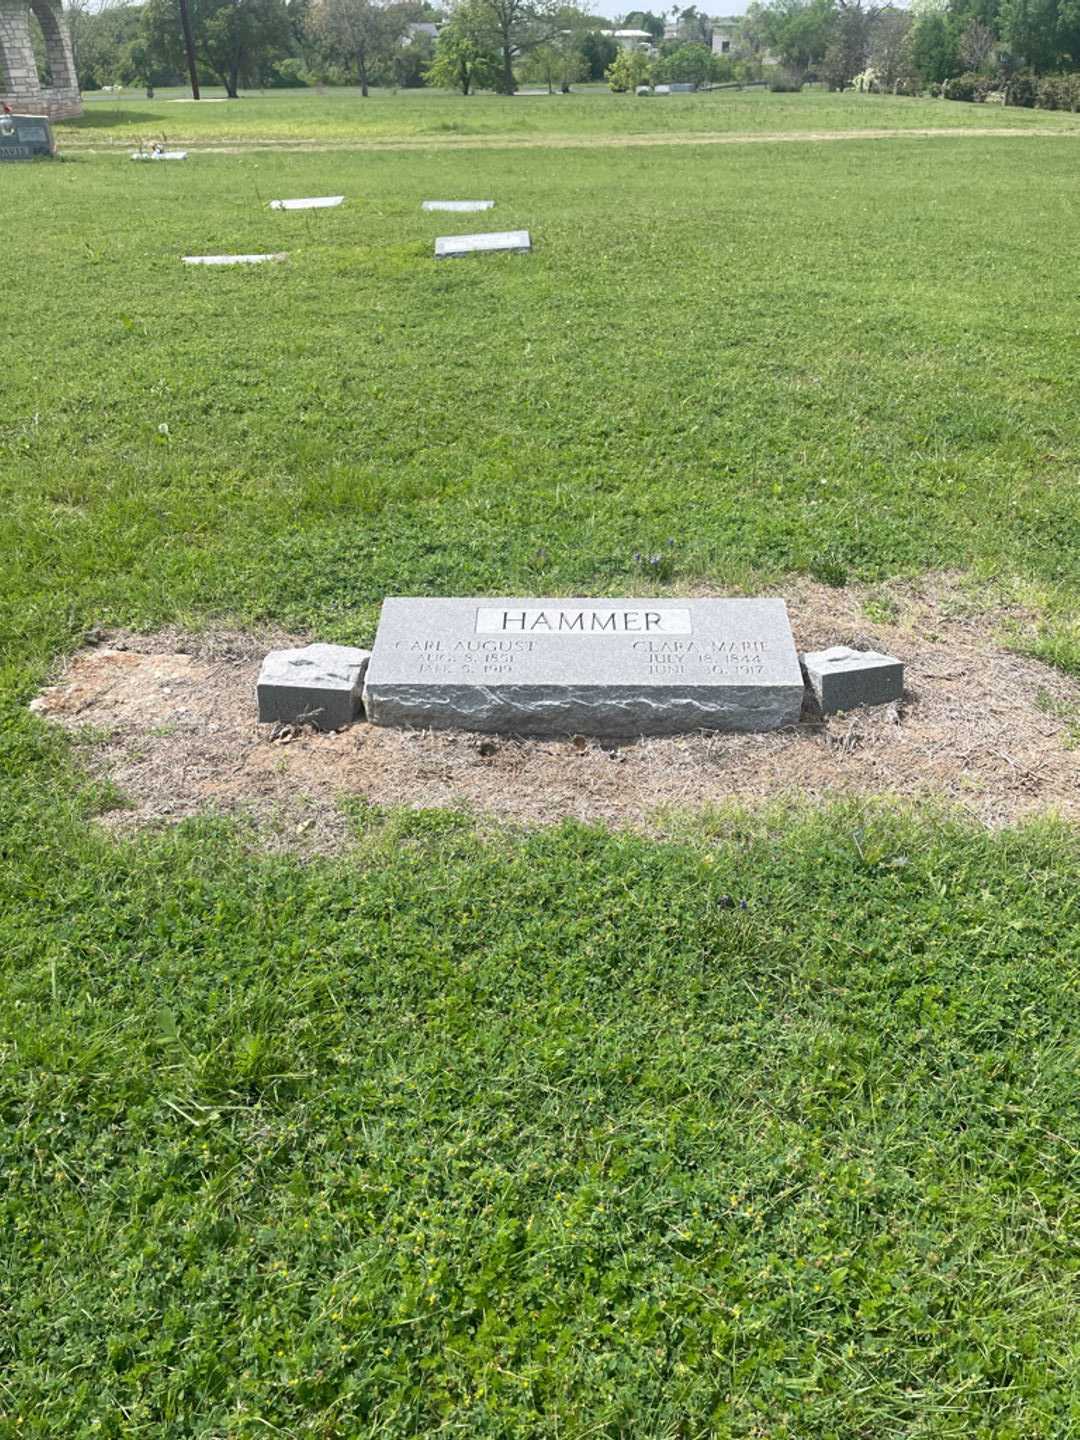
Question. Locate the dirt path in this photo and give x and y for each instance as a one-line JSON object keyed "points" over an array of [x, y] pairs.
{"points": [[583, 142]]}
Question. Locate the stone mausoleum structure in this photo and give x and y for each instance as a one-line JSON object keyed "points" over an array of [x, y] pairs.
{"points": [[58, 98]]}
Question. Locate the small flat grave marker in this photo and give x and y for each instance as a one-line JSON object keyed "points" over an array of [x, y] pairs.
{"points": [[590, 667], [231, 259], [844, 679], [159, 155], [448, 247], [458, 205], [314, 202], [316, 685]]}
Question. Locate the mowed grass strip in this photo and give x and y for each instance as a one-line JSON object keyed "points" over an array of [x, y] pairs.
{"points": [[771, 1131]]}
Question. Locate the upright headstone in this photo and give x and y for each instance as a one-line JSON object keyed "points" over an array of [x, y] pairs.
{"points": [[25, 137], [594, 667], [448, 247]]}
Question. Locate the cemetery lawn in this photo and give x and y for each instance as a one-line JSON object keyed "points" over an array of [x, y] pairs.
{"points": [[768, 1128], [438, 119]]}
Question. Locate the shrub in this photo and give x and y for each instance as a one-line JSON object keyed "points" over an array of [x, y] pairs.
{"points": [[288, 74], [1058, 92], [784, 82], [1022, 90], [631, 69], [962, 87]]}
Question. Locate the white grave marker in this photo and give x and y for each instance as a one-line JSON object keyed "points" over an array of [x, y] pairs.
{"points": [[448, 247], [314, 202], [458, 205], [231, 259]]}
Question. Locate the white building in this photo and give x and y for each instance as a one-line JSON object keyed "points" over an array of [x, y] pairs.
{"points": [[630, 39]]}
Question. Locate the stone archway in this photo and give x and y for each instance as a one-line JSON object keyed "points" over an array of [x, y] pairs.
{"points": [[19, 84]]}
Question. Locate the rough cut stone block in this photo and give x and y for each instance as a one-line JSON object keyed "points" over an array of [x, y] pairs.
{"points": [[231, 259], [843, 679], [592, 667], [458, 205], [317, 685], [449, 246], [313, 202]]}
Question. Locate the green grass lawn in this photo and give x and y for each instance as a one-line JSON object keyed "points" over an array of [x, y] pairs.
{"points": [[545, 1135], [439, 117]]}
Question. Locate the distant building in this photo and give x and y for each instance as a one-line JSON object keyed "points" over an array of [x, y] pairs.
{"points": [[630, 39], [724, 35], [420, 27]]}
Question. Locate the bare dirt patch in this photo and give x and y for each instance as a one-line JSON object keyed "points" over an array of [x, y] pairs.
{"points": [[170, 720]]}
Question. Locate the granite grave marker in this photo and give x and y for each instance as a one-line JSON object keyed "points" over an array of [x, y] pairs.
{"points": [[843, 679], [25, 137], [592, 667]]}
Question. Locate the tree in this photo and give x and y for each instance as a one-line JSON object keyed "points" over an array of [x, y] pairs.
{"points": [[464, 59], [976, 45], [933, 48], [644, 20], [890, 48], [849, 43], [413, 59], [1046, 33], [599, 51], [631, 68], [358, 34], [686, 64], [798, 32], [238, 40], [513, 28], [557, 62]]}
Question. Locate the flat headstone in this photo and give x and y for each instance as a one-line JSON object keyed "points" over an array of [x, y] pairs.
{"points": [[159, 155], [591, 667], [24, 137], [449, 246], [844, 679], [312, 202], [231, 259], [458, 205], [317, 685]]}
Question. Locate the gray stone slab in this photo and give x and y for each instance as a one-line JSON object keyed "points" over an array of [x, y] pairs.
{"points": [[466, 206], [25, 137], [590, 667], [159, 155], [231, 259], [844, 679], [317, 685], [450, 246], [309, 202]]}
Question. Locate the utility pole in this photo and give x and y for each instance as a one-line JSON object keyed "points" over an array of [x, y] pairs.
{"points": [[189, 47]]}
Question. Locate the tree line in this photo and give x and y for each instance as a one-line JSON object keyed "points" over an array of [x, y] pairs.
{"points": [[481, 44], [967, 49]]}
